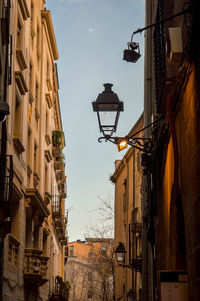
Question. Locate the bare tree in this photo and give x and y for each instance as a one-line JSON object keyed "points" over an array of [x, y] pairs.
{"points": [[91, 277], [102, 261]]}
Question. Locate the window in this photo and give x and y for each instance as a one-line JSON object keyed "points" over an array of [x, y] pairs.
{"points": [[38, 41], [35, 157], [13, 251], [71, 251], [36, 94], [89, 276], [37, 115], [29, 154], [29, 233], [90, 254], [90, 293], [48, 71], [17, 131], [30, 77], [32, 12], [66, 251], [46, 178], [19, 35], [44, 244], [18, 116], [125, 195], [36, 237], [47, 122], [103, 249]]}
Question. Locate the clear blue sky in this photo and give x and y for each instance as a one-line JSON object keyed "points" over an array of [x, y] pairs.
{"points": [[91, 36]]}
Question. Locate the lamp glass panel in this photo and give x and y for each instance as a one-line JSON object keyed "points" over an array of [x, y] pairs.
{"points": [[107, 120], [120, 257]]}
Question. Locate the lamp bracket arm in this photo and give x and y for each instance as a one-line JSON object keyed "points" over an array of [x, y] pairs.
{"points": [[147, 126], [140, 30]]}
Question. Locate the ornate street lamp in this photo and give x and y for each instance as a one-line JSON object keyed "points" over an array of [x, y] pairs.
{"points": [[131, 295], [108, 108], [120, 253]]}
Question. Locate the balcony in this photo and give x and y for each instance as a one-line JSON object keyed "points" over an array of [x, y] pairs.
{"points": [[57, 151], [59, 176], [56, 206], [35, 203], [35, 267], [62, 187], [58, 138], [58, 165], [61, 236]]}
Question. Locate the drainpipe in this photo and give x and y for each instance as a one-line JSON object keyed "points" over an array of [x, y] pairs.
{"points": [[147, 294]]}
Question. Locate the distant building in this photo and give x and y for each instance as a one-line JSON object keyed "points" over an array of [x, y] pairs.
{"points": [[89, 269], [128, 224], [34, 185]]}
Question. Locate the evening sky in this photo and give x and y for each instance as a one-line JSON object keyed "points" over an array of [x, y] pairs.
{"points": [[91, 36]]}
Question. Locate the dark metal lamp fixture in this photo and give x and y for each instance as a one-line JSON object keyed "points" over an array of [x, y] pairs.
{"points": [[120, 252], [108, 108], [132, 54], [131, 295]]}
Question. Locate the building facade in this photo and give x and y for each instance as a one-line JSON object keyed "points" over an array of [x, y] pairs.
{"points": [[33, 257], [172, 197], [128, 224], [89, 269]]}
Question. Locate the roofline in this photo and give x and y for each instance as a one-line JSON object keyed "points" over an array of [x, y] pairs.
{"points": [[47, 16]]}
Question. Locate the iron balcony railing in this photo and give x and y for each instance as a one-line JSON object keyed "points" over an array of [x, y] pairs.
{"points": [[56, 205], [6, 177]]}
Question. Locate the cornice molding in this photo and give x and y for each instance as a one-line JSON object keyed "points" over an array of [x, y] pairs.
{"points": [[46, 15]]}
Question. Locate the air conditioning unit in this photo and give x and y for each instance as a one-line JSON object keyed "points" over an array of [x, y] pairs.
{"points": [[176, 45]]}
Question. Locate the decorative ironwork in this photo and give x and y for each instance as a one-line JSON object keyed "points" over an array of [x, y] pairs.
{"points": [[141, 143], [56, 205]]}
